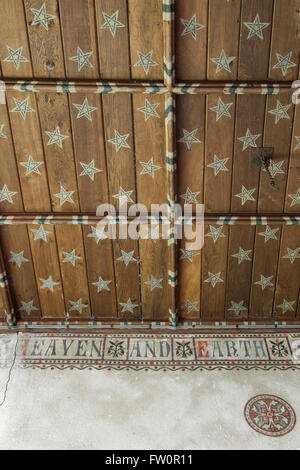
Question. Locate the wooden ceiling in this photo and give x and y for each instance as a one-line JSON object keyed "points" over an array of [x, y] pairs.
{"points": [[112, 98]]}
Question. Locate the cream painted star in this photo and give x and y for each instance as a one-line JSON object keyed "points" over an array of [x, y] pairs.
{"points": [[280, 112], [188, 254], [214, 278], [22, 107], [191, 26], [246, 195], [112, 22], [40, 234], [27, 307], [295, 198], [149, 168], [31, 166], [284, 63], [256, 27], [6, 195], [249, 140], [189, 138], [123, 196], [15, 56], [49, 283], [77, 305], [128, 306], [145, 61], [149, 109], [101, 285], [18, 258], [154, 283], [265, 282], [269, 233], [41, 17], [296, 148], [190, 197], [287, 306], [3, 136], [237, 307], [223, 62], [119, 141], [218, 165], [292, 255], [70, 257], [221, 109], [82, 59], [89, 170], [56, 137], [84, 110], [215, 233], [153, 234], [64, 196], [97, 233], [275, 168], [127, 257], [191, 306], [242, 255]]}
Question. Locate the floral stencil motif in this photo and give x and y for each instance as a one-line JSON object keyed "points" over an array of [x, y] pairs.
{"points": [[183, 349], [279, 349], [116, 348]]}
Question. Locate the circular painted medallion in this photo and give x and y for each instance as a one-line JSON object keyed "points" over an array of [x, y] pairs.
{"points": [[270, 415]]}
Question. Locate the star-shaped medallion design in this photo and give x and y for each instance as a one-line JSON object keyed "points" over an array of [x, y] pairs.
{"points": [[237, 307], [189, 138], [18, 258], [221, 109], [119, 141], [149, 168], [97, 233], [218, 165], [223, 62], [31, 166], [128, 306], [15, 56], [215, 233], [49, 283], [256, 28], [41, 17], [77, 306], [191, 26], [214, 278], [188, 254], [101, 285], [112, 22], [249, 140], [2, 135], [280, 112], [191, 306], [145, 61], [292, 255], [190, 197], [242, 255], [22, 107], [269, 233], [124, 196], [287, 306], [89, 170], [284, 62], [6, 195], [295, 198], [27, 307], [82, 59], [64, 196], [275, 168], [246, 195], [127, 257], [40, 234], [84, 110], [154, 283], [70, 257], [56, 137], [149, 109], [265, 282], [296, 148]]}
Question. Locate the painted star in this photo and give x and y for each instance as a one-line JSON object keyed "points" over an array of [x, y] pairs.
{"points": [[149, 109], [70, 257], [214, 278], [2, 136], [249, 140], [82, 59], [97, 233], [123, 196], [215, 233], [27, 307], [128, 306], [84, 110], [284, 63], [153, 234], [15, 56], [280, 112], [190, 197], [246, 195], [6, 195], [237, 307], [221, 109], [41, 234], [22, 107], [191, 26], [292, 255], [64, 196], [223, 62], [296, 148], [219, 165], [265, 282], [18, 258], [154, 283], [269, 233], [78, 306], [127, 257], [287, 306], [189, 138], [145, 61], [188, 254], [242, 255], [89, 170], [31, 166], [49, 283], [101, 285], [119, 141], [276, 168], [149, 168], [256, 28], [41, 17], [56, 137], [191, 306], [295, 198], [111, 22]]}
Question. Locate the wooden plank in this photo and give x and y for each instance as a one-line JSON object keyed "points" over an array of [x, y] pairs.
{"points": [[113, 40], [80, 43], [255, 39], [28, 148], [58, 147], [14, 48], [45, 38], [239, 271], [73, 270], [292, 201], [287, 286], [284, 63], [7, 307], [191, 39], [146, 38], [223, 40]]}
